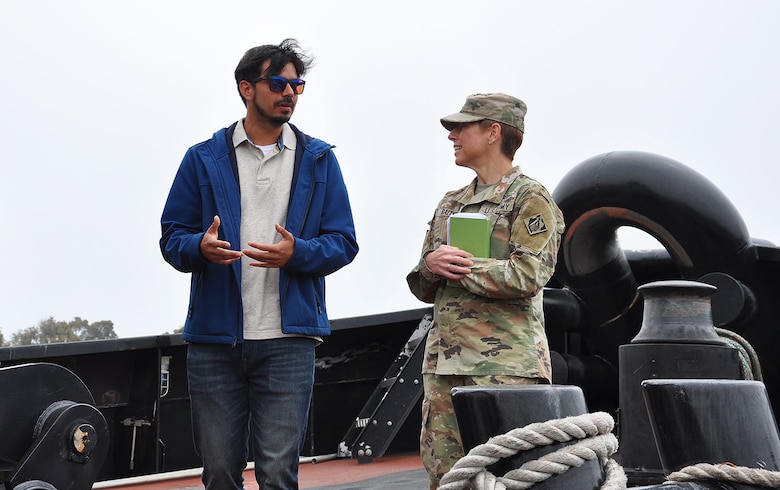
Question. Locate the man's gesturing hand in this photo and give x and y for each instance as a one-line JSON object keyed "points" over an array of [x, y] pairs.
{"points": [[272, 256], [216, 250]]}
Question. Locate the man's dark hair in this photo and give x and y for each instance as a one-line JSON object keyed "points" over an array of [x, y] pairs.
{"points": [[288, 51]]}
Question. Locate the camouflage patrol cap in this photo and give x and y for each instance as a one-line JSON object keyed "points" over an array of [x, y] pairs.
{"points": [[496, 107]]}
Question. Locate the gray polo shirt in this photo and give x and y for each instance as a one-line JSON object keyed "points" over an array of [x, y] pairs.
{"points": [[265, 176]]}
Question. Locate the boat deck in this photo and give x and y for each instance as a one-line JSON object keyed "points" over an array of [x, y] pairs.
{"points": [[393, 472]]}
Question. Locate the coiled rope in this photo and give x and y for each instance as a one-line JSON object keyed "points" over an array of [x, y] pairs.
{"points": [[595, 440]]}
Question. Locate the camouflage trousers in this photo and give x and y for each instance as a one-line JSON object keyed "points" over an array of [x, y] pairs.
{"points": [[440, 443]]}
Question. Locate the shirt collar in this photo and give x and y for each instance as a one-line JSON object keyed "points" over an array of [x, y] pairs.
{"points": [[494, 194], [239, 136]]}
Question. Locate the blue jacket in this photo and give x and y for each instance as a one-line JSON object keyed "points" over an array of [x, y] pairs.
{"points": [[319, 217]]}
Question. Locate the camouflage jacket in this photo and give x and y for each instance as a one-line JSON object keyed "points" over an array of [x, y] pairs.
{"points": [[491, 322]]}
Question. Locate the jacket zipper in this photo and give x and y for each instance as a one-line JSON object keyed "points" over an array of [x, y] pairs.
{"points": [[300, 232]]}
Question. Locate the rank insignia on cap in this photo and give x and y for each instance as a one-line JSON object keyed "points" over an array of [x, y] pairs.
{"points": [[535, 225]]}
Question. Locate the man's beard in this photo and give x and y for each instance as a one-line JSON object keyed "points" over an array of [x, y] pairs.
{"points": [[276, 120]]}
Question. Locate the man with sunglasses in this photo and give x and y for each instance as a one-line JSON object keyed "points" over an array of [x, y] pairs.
{"points": [[259, 214]]}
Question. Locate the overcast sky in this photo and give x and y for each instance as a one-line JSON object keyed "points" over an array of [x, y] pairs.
{"points": [[99, 100]]}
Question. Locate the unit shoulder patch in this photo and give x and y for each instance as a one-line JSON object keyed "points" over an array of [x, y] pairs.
{"points": [[535, 224], [538, 224]]}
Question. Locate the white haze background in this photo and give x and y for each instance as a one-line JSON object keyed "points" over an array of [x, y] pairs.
{"points": [[99, 101]]}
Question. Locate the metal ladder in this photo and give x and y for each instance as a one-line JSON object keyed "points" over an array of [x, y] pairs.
{"points": [[389, 405]]}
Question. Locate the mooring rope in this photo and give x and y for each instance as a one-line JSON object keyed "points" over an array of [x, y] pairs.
{"points": [[726, 472], [595, 440], [748, 358]]}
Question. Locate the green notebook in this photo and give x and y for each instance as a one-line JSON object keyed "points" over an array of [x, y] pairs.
{"points": [[470, 232]]}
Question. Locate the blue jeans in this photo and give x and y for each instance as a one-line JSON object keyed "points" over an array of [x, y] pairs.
{"points": [[257, 391]]}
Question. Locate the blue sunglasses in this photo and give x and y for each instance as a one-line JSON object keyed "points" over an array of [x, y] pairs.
{"points": [[278, 84]]}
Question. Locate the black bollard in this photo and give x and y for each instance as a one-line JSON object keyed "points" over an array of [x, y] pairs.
{"points": [[677, 339], [712, 421], [487, 411]]}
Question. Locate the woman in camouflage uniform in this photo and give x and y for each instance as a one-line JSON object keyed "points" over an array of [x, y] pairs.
{"points": [[488, 323]]}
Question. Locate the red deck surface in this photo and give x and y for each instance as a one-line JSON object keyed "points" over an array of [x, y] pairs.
{"points": [[311, 475]]}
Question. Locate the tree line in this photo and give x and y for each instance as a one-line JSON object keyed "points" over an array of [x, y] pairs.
{"points": [[50, 331]]}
